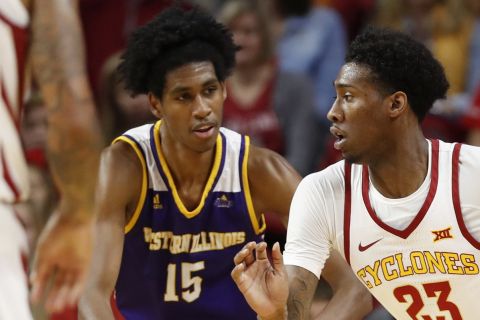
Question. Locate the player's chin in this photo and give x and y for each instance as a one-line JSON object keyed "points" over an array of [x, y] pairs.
{"points": [[351, 157]]}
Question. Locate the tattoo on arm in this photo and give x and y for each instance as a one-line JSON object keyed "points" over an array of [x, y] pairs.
{"points": [[58, 65], [302, 285]]}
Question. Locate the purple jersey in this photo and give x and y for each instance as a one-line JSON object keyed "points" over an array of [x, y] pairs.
{"points": [[176, 263]]}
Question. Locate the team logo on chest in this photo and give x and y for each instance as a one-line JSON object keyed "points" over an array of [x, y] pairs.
{"points": [[442, 234], [157, 204], [223, 202]]}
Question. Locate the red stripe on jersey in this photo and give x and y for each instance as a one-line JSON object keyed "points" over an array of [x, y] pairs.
{"points": [[347, 211], [113, 304], [5, 19], [423, 210], [456, 196], [20, 37], [8, 104], [8, 178]]}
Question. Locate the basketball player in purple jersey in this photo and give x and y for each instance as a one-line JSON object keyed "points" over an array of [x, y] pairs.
{"points": [[404, 210], [46, 36], [177, 199]]}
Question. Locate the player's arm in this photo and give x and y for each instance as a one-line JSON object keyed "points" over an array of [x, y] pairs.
{"points": [[118, 190], [274, 181], [351, 300], [74, 141], [73, 149]]}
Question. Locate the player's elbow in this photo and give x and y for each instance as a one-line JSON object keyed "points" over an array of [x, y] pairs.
{"points": [[358, 294], [95, 304]]}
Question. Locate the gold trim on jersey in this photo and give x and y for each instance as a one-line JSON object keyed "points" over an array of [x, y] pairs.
{"points": [[171, 183], [143, 193], [246, 190]]}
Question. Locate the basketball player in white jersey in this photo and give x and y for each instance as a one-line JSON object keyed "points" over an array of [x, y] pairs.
{"points": [[403, 210], [46, 36]]}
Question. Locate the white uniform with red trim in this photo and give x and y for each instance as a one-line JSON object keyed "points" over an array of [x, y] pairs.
{"points": [[418, 255], [14, 183]]}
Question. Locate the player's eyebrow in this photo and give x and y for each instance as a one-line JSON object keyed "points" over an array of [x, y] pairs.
{"points": [[343, 85]]}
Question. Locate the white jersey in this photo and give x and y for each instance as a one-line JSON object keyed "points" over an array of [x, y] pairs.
{"points": [[14, 22], [427, 268]]}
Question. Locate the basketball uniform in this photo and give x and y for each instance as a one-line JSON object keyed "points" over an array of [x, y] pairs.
{"points": [[14, 21], [176, 263], [427, 270]]}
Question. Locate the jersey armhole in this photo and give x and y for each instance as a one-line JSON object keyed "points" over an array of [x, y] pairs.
{"points": [[258, 226], [456, 196], [143, 193]]}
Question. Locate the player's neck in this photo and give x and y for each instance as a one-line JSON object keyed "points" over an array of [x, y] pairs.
{"points": [[187, 167], [403, 168]]}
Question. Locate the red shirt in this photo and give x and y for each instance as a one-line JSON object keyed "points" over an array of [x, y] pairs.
{"points": [[258, 119]]}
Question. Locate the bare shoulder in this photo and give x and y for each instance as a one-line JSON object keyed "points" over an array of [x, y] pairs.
{"points": [[267, 165], [121, 154], [272, 181], [121, 170]]}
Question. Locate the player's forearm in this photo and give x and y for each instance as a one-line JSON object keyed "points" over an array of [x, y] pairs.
{"points": [[73, 152], [351, 300], [95, 305], [348, 303], [74, 140], [302, 286]]}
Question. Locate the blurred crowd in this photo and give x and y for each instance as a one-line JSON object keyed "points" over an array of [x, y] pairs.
{"points": [[282, 88]]}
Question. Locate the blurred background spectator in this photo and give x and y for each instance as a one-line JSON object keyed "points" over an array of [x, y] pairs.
{"points": [[312, 41], [450, 29], [43, 195], [273, 106], [119, 111]]}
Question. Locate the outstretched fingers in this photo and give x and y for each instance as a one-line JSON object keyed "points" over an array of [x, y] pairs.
{"points": [[64, 291], [277, 258], [237, 274], [261, 251], [39, 278], [245, 256]]}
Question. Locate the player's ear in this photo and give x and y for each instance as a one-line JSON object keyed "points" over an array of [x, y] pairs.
{"points": [[397, 104], [155, 105], [224, 90]]}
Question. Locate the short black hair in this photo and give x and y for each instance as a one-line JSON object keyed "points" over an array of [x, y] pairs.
{"points": [[174, 38], [400, 63]]}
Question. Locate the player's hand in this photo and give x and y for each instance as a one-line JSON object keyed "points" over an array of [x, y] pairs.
{"points": [[62, 259], [264, 286]]}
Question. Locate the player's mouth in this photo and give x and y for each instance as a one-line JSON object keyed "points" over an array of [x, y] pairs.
{"points": [[204, 131], [340, 135]]}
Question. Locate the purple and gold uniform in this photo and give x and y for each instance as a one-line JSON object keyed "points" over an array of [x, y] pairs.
{"points": [[176, 263]]}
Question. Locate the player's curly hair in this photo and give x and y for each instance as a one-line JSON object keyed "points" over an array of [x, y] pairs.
{"points": [[172, 39], [399, 63]]}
